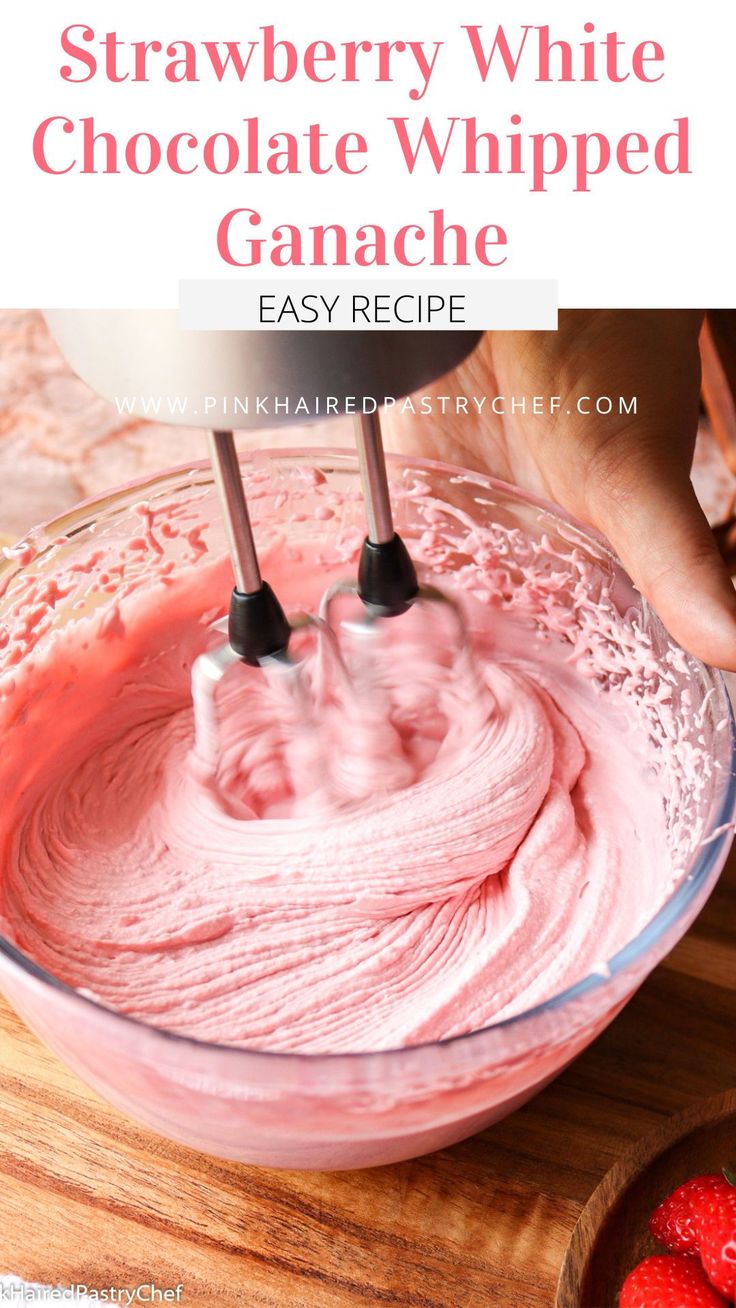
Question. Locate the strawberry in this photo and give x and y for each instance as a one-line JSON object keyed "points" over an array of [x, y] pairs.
{"points": [[714, 1217], [673, 1223], [669, 1281]]}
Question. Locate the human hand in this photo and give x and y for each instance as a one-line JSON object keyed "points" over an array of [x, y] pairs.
{"points": [[628, 474]]}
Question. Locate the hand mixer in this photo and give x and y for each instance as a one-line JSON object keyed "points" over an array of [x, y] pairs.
{"points": [[143, 353]]}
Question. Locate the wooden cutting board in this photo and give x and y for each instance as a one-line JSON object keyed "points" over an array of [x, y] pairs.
{"points": [[86, 1196]]}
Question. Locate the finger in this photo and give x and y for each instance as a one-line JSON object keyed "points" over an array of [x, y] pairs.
{"points": [[659, 531]]}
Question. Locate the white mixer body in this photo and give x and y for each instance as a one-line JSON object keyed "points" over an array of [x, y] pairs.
{"points": [[142, 359]]}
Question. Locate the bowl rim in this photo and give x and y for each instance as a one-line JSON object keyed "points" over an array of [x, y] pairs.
{"points": [[708, 859]]}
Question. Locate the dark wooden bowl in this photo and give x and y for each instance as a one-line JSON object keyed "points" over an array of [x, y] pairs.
{"points": [[611, 1235]]}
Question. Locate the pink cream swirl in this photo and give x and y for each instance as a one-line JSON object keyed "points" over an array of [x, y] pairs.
{"points": [[515, 848]]}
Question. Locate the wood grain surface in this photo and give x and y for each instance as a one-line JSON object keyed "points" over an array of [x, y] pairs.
{"points": [[87, 1196]]}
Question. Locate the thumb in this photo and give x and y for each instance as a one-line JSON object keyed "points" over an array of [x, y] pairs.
{"points": [[646, 506]]}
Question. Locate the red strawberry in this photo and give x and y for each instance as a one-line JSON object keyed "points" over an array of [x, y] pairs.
{"points": [[669, 1281], [673, 1223], [715, 1227]]}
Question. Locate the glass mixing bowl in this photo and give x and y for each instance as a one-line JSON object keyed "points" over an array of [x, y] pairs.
{"points": [[355, 1110]]}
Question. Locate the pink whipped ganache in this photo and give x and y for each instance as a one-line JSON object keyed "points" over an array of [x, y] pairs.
{"points": [[418, 849]]}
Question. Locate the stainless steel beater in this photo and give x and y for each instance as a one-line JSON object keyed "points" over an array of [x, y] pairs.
{"points": [[257, 631], [257, 628], [257, 625]]}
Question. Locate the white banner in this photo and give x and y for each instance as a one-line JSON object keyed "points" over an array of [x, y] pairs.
{"points": [[367, 305], [144, 145]]}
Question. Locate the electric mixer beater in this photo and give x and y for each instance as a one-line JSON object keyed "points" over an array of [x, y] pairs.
{"points": [[206, 371], [387, 579]]}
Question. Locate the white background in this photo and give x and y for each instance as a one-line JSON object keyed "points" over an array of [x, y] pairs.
{"points": [[96, 241]]}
